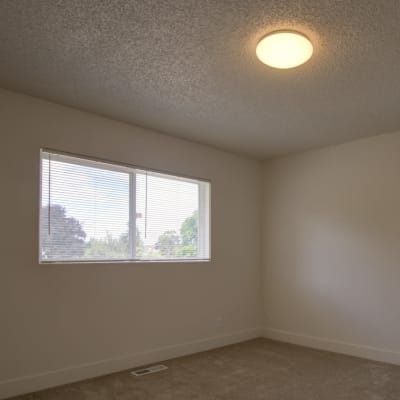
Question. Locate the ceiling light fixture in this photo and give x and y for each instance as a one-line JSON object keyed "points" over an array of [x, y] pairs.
{"points": [[284, 49]]}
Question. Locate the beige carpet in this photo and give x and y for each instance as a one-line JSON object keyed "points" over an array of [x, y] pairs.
{"points": [[258, 369]]}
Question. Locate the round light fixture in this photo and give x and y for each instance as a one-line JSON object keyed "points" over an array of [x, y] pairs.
{"points": [[284, 49]]}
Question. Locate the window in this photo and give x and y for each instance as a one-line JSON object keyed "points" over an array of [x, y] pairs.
{"points": [[99, 211]]}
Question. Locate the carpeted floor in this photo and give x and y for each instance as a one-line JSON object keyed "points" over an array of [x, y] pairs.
{"points": [[253, 370]]}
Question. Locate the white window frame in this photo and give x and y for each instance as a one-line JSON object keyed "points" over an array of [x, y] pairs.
{"points": [[204, 206]]}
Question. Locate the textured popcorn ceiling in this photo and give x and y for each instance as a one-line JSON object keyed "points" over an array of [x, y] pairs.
{"points": [[188, 68]]}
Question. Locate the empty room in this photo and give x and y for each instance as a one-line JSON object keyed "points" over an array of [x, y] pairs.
{"points": [[200, 200]]}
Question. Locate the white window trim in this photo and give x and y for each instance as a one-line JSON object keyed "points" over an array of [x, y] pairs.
{"points": [[131, 169]]}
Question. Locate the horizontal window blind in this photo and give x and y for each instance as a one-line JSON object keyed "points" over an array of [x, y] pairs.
{"points": [[100, 211]]}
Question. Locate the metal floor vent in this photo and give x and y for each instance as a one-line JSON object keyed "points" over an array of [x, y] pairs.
{"points": [[149, 370]]}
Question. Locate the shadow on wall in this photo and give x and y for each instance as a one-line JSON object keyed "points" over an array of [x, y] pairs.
{"points": [[332, 254]]}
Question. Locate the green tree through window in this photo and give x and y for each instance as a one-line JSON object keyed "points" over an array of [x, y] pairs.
{"points": [[189, 235], [183, 245], [167, 244], [113, 248], [66, 238]]}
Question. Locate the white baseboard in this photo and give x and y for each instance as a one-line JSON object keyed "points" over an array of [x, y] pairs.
{"points": [[27, 384], [370, 353]]}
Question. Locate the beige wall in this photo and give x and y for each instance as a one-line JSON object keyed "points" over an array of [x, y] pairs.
{"points": [[330, 244], [71, 321], [331, 248]]}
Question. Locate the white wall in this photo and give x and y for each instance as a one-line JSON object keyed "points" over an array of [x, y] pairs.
{"points": [[332, 248], [67, 322], [331, 255]]}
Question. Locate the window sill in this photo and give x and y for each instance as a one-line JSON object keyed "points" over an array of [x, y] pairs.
{"points": [[80, 262]]}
